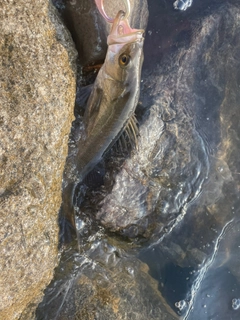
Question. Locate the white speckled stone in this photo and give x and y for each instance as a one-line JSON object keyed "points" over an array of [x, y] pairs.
{"points": [[37, 93]]}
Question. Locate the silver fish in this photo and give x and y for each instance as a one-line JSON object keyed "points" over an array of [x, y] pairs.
{"points": [[110, 107]]}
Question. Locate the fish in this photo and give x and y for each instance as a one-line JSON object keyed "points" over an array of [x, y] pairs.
{"points": [[110, 108]]}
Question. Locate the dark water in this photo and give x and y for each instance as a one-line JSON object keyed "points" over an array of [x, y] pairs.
{"points": [[210, 289], [190, 269]]}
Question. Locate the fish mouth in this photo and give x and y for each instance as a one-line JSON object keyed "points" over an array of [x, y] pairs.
{"points": [[122, 33]]}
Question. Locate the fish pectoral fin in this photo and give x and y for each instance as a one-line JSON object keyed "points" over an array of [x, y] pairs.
{"points": [[83, 95], [128, 137], [132, 129]]}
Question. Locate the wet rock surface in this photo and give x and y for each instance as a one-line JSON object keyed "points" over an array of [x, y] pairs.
{"points": [[37, 92], [106, 284]]}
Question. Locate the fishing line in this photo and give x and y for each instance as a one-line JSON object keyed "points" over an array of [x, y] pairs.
{"points": [[100, 6]]}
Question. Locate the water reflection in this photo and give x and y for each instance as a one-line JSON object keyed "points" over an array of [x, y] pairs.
{"points": [[217, 295], [176, 251]]}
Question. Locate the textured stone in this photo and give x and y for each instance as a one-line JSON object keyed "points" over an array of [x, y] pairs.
{"points": [[104, 284], [37, 92]]}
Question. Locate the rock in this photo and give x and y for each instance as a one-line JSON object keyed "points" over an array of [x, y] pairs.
{"points": [[89, 29], [37, 93], [105, 284]]}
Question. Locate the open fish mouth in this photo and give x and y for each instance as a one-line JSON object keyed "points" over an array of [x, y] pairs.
{"points": [[122, 33]]}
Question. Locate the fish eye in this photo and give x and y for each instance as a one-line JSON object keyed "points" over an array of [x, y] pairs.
{"points": [[124, 60]]}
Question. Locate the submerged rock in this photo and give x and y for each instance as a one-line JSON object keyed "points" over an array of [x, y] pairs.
{"points": [[103, 284], [37, 92]]}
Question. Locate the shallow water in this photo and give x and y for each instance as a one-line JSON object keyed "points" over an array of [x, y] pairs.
{"points": [[182, 261]]}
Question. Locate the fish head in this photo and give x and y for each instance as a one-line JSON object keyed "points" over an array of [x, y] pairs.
{"points": [[125, 51]]}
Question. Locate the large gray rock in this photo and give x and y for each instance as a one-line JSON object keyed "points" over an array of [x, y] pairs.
{"points": [[37, 93]]}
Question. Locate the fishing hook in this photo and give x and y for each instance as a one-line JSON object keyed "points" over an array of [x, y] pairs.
{"points": [[100, 6]]}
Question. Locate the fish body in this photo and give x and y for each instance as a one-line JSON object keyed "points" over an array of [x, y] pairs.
{"points": [[111, 104]]}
